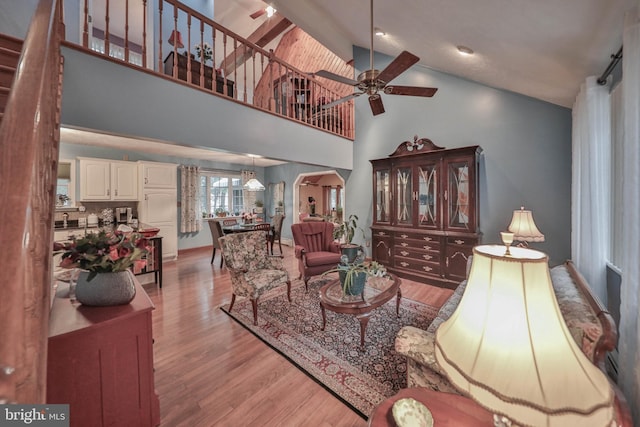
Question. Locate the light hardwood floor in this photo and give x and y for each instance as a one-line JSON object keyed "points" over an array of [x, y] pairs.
{"points": [[210, 371]]}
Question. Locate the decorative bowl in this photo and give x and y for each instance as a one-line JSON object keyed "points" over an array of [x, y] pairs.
{"points": [[411, 413]]}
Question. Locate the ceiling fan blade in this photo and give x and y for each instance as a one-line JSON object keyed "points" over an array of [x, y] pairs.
{"points": [[376, 104], [397, 66], [410, 90], [338, 78], [258, 13], [341, 100]]}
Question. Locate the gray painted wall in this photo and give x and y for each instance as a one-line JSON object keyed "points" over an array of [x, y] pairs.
{"points": [[101, 94], [526, 142]]}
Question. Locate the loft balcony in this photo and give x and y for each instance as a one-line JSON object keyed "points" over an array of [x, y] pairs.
{"points": [[180, 44]]}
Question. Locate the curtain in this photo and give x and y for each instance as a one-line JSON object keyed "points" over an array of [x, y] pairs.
{"points": [[591, 188], [629, 341], [248, 197], [189, 199]]}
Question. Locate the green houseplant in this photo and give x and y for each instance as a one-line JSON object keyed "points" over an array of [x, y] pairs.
{"points": [[353, 275], [346, 231]]}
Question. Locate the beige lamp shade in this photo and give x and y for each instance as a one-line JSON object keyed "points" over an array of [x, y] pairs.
{"points": [[524, 227], [508, 348]]}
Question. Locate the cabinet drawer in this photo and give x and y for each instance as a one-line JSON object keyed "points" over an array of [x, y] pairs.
{"points": [[433, 246], [381, 233], [462, 241], [431, 256], [418, 236], [422, 267]]}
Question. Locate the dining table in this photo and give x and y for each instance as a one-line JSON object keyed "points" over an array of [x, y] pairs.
{"points": [[240, 228]]}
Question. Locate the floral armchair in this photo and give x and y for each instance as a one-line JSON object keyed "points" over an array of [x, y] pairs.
{"points": [[315, 249], [253, 272]]}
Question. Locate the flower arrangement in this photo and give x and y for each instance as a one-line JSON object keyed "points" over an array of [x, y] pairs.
{"points": [[204, 51], [247, 216], [104, 252]]}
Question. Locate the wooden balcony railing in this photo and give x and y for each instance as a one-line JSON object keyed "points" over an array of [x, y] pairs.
{"points": [[194, 49]]}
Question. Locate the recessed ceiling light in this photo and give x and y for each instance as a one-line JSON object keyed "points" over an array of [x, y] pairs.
{"points": [[379, 32], [463, 50]]}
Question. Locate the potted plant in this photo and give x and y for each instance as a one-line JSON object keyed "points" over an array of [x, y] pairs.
{"points": [[259, 206], [346, 231], [104, 260], [221, 212], [353, 275]]}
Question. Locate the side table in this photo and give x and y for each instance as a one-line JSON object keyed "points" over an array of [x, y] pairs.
{"points": [[448, 409]]}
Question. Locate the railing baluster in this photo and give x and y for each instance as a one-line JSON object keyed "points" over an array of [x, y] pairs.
{"points": [[107, 49], [85, 25], [189, 48], [144, 33], [224, 55], [160, 38], [202, 55], [126, 31]]}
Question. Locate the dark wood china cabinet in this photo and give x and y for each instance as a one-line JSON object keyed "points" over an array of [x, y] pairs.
{"points": [[425, 211]]}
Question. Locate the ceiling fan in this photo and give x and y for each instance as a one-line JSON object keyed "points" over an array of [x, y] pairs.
{"points": [[372, 81]]}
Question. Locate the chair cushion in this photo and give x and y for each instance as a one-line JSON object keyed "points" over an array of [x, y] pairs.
{"points": [[322, 258]]}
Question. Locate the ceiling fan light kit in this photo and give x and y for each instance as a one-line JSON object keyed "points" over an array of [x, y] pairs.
{"points": [[372, 82]]}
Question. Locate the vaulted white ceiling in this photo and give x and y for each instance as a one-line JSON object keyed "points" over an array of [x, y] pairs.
{"points": [[543, 48]]}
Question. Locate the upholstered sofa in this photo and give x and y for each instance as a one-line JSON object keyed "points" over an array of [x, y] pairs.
{"points": [[591, 326]]}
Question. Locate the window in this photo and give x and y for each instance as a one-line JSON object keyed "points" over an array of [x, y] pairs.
{"points": [[221, 192]]}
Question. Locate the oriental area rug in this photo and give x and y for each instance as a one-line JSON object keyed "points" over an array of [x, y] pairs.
{"points": [[360, 377]]}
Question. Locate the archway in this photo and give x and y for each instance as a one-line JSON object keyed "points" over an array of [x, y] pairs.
{"points": [[313, 184]]}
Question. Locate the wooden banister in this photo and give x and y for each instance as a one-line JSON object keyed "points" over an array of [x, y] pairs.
{"points": [[29, 139]]}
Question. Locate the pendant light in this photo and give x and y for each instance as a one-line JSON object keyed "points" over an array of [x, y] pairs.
{"points": [[253, 184]]}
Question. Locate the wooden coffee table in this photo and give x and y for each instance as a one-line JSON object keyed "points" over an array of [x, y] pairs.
{"points": [[448, 409], [377, 291]]}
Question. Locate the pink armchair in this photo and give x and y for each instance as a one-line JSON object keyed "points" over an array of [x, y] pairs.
{"points": [[315, 248]]}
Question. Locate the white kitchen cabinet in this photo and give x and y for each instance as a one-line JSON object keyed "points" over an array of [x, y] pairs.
{"points": [[158, 175], [108, 180], [124, 181], [158, 206]]}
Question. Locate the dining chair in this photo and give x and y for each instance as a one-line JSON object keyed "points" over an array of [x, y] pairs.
{"points": [[228, 222], [252, 271], [276, 231], [266, 227], [216, 233]]}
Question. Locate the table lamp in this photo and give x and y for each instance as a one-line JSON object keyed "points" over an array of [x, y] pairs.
{"points": [[175, 39], [508, 348], [524, 228]]}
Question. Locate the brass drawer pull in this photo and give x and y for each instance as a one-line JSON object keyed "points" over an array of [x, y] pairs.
{"points": [[404, 264], [404, 244], [427, 257], [459, 242], [404, 253], [404, 236], [427, 268], [427, 239], [426, 248]]}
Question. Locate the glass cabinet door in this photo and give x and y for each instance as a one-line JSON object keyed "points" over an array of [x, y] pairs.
{"points": [[404, 196], [383, 195], [458, 203], [428, 196]]}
